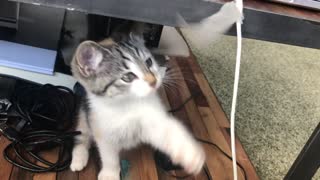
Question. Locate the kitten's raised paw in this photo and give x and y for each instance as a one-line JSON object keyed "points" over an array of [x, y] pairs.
{"points": [[190, 155], [196, 161], [80, 156], [106, 175]]}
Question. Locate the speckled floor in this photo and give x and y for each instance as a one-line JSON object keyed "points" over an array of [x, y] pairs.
{"points": [[278, 101]]}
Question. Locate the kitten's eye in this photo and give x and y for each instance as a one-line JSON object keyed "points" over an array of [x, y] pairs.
{"points": [[149, 62], [129, 77]]}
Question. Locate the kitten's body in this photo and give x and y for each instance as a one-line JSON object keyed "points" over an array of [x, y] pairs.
{"points": [[123, 108], [127, 118]]}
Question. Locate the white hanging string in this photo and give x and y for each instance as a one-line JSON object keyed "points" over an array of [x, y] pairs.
{"points": [[206, 32], [239, 5]]}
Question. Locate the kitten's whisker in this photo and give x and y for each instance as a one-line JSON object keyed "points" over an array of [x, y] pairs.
{"points": [[179, 69], [175, 84], [180, 78], [173, 79], [171, 84], [178, 85], [177, 80], [174, 75], [182, 74], [170, 89], [172, 72], [181, 91]]}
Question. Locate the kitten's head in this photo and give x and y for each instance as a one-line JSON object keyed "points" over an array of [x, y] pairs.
{"points": [[116, 68]]}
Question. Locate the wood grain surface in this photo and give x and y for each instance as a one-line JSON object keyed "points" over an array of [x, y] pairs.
{"points": [[202, 115]]}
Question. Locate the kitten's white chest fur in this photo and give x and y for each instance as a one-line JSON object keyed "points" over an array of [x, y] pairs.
{"points": [[121, 121]]}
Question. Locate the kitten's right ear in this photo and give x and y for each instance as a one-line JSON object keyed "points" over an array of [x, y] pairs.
{"points": [[88, 57]]}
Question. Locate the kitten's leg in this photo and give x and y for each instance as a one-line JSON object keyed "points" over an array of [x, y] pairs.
{"points": [[170, 136], [109, 155], [80, 152]]}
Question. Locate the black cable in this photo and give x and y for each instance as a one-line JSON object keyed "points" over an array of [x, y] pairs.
{"points": [[29, 146], [225, 154], [175, 176], [186, 176], [48, 112], [207, 173], [51, 107], [176, 109]]}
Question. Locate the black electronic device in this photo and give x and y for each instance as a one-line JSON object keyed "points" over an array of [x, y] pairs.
{"points": [[9, 14]]}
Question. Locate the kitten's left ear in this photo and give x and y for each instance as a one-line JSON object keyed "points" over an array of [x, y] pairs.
{"points": [[88, 57]]}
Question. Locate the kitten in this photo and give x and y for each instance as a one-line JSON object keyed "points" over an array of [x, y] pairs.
{"points": [[123, 108]]}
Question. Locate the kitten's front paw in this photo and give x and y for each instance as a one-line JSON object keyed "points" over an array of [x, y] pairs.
{"points": [[107, 175], [80, 156], [189, 154]]}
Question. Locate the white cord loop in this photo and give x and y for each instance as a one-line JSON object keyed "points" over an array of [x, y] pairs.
{"points": [[239, 4]]}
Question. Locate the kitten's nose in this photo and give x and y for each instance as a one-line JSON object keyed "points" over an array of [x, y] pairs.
{"points": [[150, 79]]}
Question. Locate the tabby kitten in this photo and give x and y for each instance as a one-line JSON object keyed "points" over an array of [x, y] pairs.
{"points": [[123, 108]]}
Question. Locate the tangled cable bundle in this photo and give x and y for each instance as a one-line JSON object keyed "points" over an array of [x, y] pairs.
{"points": [[45, 115]]}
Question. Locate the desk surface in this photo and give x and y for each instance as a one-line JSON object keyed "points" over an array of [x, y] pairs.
{"points": [[264, 20], [202, 115], [165, 11], [152, 11]]}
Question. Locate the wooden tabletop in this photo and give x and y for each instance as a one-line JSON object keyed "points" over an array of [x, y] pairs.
{"points": [[202, 115]]}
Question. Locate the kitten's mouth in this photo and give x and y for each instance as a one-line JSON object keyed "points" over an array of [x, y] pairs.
{"points": [[156, 86]]}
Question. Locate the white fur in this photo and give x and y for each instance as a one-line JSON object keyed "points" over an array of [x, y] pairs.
{"points": [[124, 122]]}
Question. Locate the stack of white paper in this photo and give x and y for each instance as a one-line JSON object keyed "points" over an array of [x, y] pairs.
{"points": [[28, 58]]}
